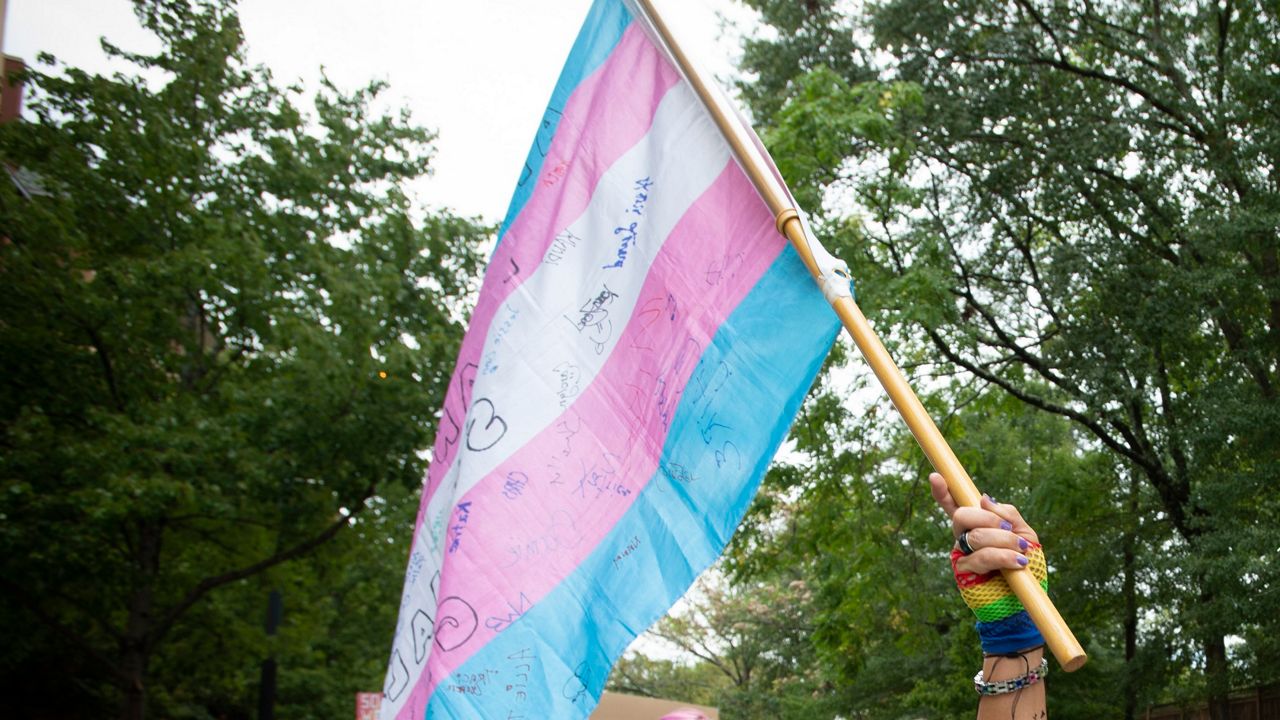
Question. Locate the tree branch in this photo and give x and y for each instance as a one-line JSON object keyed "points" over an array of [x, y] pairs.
{"points": [[37, 608], [1224, 29], [1188, 127], [105, 360], [1037, 401], [1173, 495], [210, 583]]}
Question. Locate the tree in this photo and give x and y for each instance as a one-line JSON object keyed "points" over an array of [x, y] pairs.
{"points": [[750, 647], [1089, 223], [851, 514], [687, 679], [339, 606], [224, 331]]}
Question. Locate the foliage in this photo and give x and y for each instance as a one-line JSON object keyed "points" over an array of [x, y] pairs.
{"points": [[1088, 222], [853, 515], [224, 331], [750, 646], [699, 683]]}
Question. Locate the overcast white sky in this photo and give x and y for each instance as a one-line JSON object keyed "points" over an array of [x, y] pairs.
{"points": [[478, 71]]}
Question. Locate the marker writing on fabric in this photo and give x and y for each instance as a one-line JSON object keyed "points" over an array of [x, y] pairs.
{"points": [[724, 270], [594, 315], [466, 381], [628, 233], [707, 392], [547, 130], [632, 545], [604, 483], [627, 237], [557, 173], [470, 683], [416, 561], [650, 312], [515, 485], [667, 402], [422, 627], [594, 310], [397, 677], [560, 247], [456, 622], [498, 623], [450, 432], [566, 428], [461, 516], [600, 475], [568, 375], [485, 428], [542, 140], [727, 452], [575, 688], [642, 195], [519, 664], [676, 472], [559, 532], [503, 329]]}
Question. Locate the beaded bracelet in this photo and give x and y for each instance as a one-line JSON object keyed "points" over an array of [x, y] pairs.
{"points": [[1000, 687]]}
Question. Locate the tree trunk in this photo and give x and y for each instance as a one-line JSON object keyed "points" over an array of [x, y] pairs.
{"points": [[1217, 674], [135, 645], [1130, 604], [134, 704]]}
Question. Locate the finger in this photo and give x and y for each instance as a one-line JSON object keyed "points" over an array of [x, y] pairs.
{"points": [[968, 518], [942, 494], [980, 538], [1010, 514], [988, 559]]}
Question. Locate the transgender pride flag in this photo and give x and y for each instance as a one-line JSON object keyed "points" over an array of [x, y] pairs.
{"points": [[641, 343]]}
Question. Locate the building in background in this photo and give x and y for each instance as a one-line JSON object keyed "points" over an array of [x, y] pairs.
{"points": [[10, 92]]}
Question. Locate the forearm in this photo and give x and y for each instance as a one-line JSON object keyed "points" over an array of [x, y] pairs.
{"points": [[1025, 704], [989, 539]]}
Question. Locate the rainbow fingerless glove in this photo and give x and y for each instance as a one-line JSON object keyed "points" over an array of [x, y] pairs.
{"points": [[1003, 624]]}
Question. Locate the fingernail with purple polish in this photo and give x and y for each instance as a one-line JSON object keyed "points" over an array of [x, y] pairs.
{"points": [[1022, 560], [1023, 544], [1006, 525]]}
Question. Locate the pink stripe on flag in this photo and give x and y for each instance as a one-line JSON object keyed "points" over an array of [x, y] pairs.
{"points": [[606, 116], [585, 465]]}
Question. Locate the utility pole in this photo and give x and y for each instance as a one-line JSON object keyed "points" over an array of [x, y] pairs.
{"points": [[267, 683]]}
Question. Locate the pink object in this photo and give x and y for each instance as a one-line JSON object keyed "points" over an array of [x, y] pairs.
{"points": [[685, 714], [368, 705]]}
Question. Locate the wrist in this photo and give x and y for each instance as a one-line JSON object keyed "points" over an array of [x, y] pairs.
{"points": [[1010, 674], [1007, 667], [1009, 634]]}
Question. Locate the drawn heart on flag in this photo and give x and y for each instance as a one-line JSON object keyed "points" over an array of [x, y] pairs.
{"points": [[458, 621], [484, 427]]}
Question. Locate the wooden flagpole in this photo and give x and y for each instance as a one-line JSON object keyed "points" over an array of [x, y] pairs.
{"points": [[1061, 641]]}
